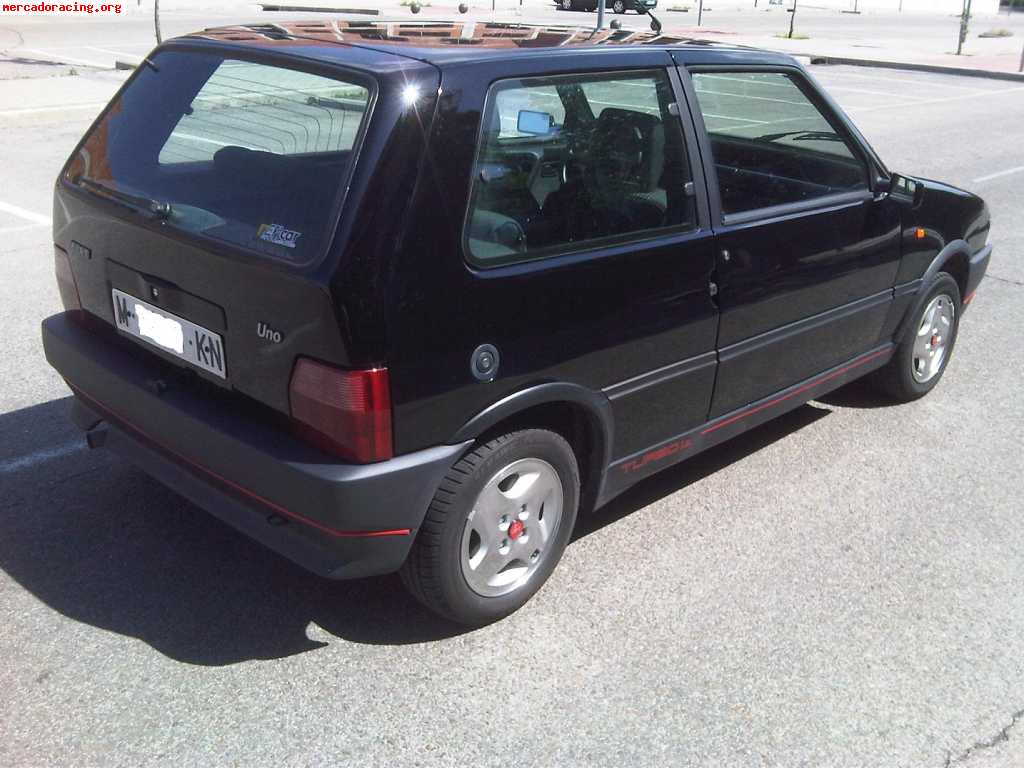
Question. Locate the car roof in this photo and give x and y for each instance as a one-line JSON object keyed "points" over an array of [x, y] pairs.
{"points": [[448, 42]]}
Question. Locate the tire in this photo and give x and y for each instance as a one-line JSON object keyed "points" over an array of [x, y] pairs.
{"points": [[490, 508], [619, 6], [924, 352], [567, 5]]}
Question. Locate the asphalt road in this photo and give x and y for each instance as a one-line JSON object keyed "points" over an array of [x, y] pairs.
{"points": [[841, 587]]}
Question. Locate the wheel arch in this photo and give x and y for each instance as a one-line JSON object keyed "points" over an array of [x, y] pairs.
{"points": [[582, 416], [954, 260]]}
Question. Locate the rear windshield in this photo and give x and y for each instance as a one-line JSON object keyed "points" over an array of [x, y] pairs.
{"points": [[247, 153]]}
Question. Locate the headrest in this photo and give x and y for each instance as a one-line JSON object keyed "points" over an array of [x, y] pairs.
{"points": [[629, 148]]}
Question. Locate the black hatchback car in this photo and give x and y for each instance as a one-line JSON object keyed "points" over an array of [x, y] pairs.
{"points": [[412, 297], [618, 6]]}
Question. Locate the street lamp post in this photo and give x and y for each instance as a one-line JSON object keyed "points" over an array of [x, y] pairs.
{"points": [[792, 19], [965, 19]]}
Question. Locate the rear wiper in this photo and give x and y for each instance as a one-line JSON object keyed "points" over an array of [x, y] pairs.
{"points": [[801, 136], [158, 208]]}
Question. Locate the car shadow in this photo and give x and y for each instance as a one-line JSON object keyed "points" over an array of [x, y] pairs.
{"points": [[688, 472], [105, 545], [860, 393]]}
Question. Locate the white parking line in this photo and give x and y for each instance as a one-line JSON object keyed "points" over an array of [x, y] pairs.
{"points": [[946, 100], [39, 457], [736, 119], [203, 140], [22, 213], [748, 81], [79, 46], [121, 54], [755, 98], [999, 174], [889, 94], [60, 108], [61, 58], [731, 128], [821, 75], [22, 228]]}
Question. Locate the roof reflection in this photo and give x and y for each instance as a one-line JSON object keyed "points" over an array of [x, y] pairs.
{"points": [[436, 34]]}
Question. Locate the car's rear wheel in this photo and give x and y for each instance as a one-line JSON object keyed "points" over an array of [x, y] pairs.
{"points": [[925, 350], [566, 5], [496, 527], [619, 6]]}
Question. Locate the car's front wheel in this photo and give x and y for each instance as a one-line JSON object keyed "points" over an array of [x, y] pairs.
{"points": [[496, 527], [566, 5], [925, 350], [619, 6]]}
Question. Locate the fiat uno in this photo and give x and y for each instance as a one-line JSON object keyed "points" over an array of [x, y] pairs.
{"points": [[412, 297]]}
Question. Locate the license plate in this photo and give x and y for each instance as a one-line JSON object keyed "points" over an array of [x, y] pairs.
{"points": [[170, 333]]}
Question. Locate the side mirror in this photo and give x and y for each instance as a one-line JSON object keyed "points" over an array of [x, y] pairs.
{"points": [[535, 123], [883, 186], [907, 189]]}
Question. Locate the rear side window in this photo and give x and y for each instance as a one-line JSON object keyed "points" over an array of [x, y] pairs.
{"points": [[247, 153], [568, 161], [771, 144]]}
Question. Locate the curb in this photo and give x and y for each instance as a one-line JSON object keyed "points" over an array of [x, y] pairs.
{"points": [[935, 68]]}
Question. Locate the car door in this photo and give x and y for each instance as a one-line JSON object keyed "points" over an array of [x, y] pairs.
{"points": [[588, 264], [806, 256]]}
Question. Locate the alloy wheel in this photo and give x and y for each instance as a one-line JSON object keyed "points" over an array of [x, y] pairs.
{"points": [[933, 338], [511, 527]]}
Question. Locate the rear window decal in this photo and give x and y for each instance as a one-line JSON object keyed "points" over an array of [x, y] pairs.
{"points": [[278, 235]]}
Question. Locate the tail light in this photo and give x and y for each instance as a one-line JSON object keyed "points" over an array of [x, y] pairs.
{"points": [[66, 280], [345, 412]]}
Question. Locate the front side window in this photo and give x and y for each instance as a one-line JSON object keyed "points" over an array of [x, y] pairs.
{"points": [[568, 161], [246, 153], [771, 144]]}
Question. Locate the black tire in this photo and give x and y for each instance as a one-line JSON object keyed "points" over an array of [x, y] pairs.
{"points": [[433, 572], [619, 6], [567, 5], [897, 379]]}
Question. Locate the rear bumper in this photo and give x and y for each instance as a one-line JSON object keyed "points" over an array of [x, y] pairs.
{"points": [[337, 520], [977, 268]]}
